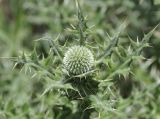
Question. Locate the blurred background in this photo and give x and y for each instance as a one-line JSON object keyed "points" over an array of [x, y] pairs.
{"points": [[24, 21]]}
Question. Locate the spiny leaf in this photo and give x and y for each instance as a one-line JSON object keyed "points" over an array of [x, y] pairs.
{"points": [[34, 56], [56, 85], [48, 60], [53, 45], [113, 42], [144, 42], [148, 35], [82, 23]]}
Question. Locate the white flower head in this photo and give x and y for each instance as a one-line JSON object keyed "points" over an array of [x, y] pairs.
{"points": [[78, 60]]}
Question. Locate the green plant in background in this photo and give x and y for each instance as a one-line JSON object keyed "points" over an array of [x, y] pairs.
{"points": [[89, 93], [83, 73]]}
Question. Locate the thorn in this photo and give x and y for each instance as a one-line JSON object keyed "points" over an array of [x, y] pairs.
{"points": [[15, 66], [138, 41]]}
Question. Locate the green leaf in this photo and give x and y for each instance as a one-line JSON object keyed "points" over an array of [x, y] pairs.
{"points": [[34, 56], [82, 23], [113, 42]]}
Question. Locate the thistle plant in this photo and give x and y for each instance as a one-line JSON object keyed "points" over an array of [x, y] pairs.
{"points": [[107, 59]]}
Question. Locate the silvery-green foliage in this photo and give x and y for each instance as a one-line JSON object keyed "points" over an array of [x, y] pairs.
{"points": [[117, 64]]}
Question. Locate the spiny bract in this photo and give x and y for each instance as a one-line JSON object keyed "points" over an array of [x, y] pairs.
{"points": [[78, 60]]}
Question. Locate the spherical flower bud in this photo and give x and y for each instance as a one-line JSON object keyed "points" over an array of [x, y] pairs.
{"points": [[78, 60]]}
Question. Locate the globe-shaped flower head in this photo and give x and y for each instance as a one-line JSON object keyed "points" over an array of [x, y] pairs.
{"points": [[78, 60]]}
